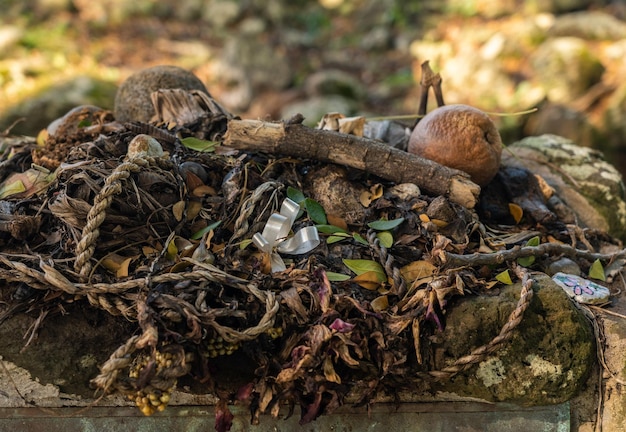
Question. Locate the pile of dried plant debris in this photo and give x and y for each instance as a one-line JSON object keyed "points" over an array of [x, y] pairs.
{"points": [[209, 249]]}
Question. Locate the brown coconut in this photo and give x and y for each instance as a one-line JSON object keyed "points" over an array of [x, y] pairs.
{"points": [[461, 137]]}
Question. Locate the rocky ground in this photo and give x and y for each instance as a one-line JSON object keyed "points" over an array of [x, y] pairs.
{"points": [[272, 59]]}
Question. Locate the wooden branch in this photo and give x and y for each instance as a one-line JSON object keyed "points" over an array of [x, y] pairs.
{"points": [[356, 152]]}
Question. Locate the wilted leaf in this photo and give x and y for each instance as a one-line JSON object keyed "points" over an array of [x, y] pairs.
{"points": [[415, 330], [329, 371], [11, 187], [377, 191], [380, 304], [368, 280], [504, 277], [596, 271], [26, 184], [385, 238], [149, 251], [337, 221], [516, 211], [193, 209], [295, 195], [365, 198], [360, 266], [440, 223], [202, 191], [184, 246], [385, 225], [199, 145], [352, 125], [198, 234], [117, 264], [315, 211], [172, 250], [417, 270], [42, 136], [179, 210], [337, 277]]}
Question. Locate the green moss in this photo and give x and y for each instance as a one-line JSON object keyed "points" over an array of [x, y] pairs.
{"points": [[547, 360]]}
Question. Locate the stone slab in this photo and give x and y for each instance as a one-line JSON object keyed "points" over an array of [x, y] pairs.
{"points": [[433, 417]]}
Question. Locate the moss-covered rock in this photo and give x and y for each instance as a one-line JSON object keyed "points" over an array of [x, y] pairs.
{"points": [[547, 361], [580, 176]]}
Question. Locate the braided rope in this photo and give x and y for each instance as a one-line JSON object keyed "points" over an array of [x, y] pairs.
{"points": [[119, 360], [248, 206], [112, 187], [481, 353], [388, 262]]}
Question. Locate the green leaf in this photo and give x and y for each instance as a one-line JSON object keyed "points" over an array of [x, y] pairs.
{"points": [[244, 244], [84, 123], [330, 229], [360, 266], [385, 225], [336, 277], [360, 239], [596, 271], [385, 238], [504, 277], [295, 195], [199, 145], [336, 238], [533, 241], [198, 234], [526, 261], [316, 211]]}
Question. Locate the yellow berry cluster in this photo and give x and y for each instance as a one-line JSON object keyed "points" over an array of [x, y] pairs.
{"points": [[149, 399], [274, 332], [151, 402], [218, 346]]}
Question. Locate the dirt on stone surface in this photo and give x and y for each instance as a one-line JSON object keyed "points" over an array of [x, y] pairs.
{"points": [[68, 348]]}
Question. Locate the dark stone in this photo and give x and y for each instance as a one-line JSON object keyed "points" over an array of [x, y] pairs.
{"points": [[133, 101]]}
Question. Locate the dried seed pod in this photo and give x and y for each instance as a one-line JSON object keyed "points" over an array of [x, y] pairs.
{"points": [[461, 137]]}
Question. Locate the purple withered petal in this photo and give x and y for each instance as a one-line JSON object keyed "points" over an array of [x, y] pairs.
{"points": [[223, 417], [341, 326]]}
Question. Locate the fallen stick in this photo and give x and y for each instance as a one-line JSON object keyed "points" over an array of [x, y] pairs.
{"points": [[295, 139]]}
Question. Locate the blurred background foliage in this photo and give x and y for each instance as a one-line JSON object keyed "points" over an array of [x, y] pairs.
{"points": [[272, 58]]}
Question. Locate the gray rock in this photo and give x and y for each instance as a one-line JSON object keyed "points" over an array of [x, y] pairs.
{"points": [[313, 109], [566, 68], [588, 25], [333, 81], [54, 102], [562, 120], [133, 102], [547, 360], [580, 176], [563, 265], [9, 36]]}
